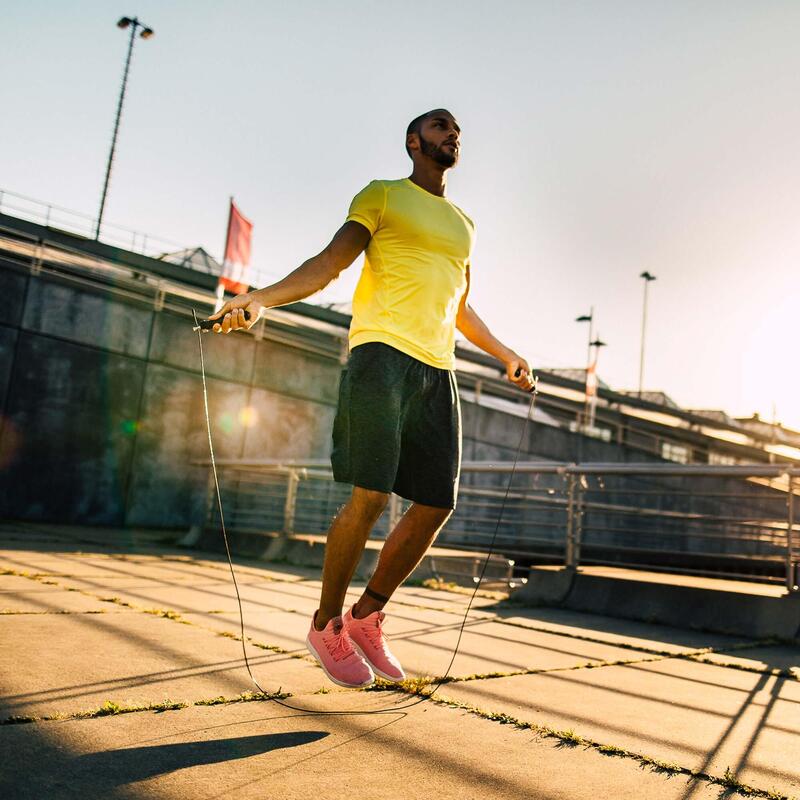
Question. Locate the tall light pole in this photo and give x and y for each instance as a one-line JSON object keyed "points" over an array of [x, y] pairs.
{"points": [[592, 403], [590, 319], [146, 33], [647, 278]]}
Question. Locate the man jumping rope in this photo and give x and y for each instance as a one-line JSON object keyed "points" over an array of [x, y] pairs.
{"points": [[398, 422]]}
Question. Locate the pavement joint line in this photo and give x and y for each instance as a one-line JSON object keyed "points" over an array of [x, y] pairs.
{"points": [[421, 681], [570, 738], [483, 676], [110, 708], [697, 655], [700, 655], [10, 613], [173, 616]]}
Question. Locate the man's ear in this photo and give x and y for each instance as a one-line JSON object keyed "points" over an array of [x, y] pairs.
{"points": [[412, 141]]}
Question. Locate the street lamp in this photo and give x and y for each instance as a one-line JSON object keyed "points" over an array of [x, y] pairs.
{"points": [[590, 319], [591, 391], [647, 278], [145, 33]]}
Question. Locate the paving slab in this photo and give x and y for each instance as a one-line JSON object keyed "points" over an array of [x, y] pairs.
{"points": [[613, 630], [698, 715], [777, 657], [198, 563], [74, 663], [91, 566], [258, 597], [425, 647], [288, 628], [488, 646], [27, 595], [257, 750]]}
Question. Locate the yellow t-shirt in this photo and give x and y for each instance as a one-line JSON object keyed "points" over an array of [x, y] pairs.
{"points": [[415, 270]]}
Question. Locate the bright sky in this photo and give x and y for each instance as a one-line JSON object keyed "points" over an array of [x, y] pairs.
{"points": [[599, 139]]}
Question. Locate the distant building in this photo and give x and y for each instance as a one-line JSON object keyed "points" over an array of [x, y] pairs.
{"points": [[659, 398], [195, 258]]}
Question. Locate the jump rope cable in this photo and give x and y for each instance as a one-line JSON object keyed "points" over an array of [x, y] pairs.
{"points": [[443, 679]]}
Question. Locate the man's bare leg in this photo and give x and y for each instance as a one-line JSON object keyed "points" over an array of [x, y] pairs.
{"points": [[346, 539], [402, 551]]}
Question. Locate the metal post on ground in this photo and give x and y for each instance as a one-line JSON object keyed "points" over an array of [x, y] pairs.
{"points": [[792, 578], [569, 550], [577, 521], [395, 511], [291, 501]]}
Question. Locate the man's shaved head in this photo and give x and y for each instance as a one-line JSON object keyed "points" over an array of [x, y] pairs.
{"points": [[415, 126]]}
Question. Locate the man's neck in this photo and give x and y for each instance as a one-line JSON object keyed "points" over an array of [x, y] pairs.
{"points": [[432, 178]]}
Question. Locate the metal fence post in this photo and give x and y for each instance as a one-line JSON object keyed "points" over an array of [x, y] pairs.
{"points": [[792, 578], [394, 511], [291, 501], [569, 550], [577, 522]]}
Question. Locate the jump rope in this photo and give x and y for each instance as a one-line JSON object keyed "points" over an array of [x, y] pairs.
{"points": [[206, 325]]}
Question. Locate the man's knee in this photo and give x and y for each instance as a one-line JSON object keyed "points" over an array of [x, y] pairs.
{"points": [[436, 514], [368, 501]]}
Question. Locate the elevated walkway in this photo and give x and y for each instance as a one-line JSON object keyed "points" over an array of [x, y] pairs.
{"points": [[711, 604], [307, 550]]}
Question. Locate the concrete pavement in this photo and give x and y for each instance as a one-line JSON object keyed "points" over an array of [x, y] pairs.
{"points": [[121, 676]]}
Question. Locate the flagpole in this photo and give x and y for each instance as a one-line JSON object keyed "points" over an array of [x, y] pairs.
{"points": [[588, 365], [221, 286]]}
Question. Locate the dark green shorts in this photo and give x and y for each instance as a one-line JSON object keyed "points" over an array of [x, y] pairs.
{"points": [[398, 426]]}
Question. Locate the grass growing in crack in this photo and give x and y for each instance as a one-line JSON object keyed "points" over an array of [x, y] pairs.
{"points": [[729, 780], [111, 709], [166, 614], [273, 648], [18, 719], [610, 750], [116, 600], [569, 737], [787, 673], [419, 685], [244, 697]]}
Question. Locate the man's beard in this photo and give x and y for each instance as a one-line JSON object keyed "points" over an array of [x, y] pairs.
{"points": [[441, 157]]}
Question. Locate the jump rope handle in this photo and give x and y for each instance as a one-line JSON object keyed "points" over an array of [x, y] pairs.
{"points": [[533, 389], [208, 324]]}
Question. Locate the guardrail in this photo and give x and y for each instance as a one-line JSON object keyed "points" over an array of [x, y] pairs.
{"points": [[725, 521]]}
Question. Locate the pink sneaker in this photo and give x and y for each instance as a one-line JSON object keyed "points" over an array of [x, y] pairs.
{"points": [[332, 648], [370, 641]]}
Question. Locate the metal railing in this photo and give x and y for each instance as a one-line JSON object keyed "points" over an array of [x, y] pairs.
{"points": [[65, 219], [723, 521]]}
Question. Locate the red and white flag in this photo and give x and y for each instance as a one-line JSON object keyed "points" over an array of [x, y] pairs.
{"points": [[236, 263]]}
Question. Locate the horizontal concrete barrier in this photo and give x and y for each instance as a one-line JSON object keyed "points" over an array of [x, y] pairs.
{"points": [[308, 550], [667, 599]]}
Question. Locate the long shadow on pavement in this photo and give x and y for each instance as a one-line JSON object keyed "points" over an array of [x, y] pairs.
{"points": [[133, 764]]}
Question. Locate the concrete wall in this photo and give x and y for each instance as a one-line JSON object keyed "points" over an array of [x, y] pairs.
{"points": [[102, 414], [102, 405]]}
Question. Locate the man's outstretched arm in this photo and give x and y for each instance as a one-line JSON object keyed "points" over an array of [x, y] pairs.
{"points": [[477, 332], [310, 277]]}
